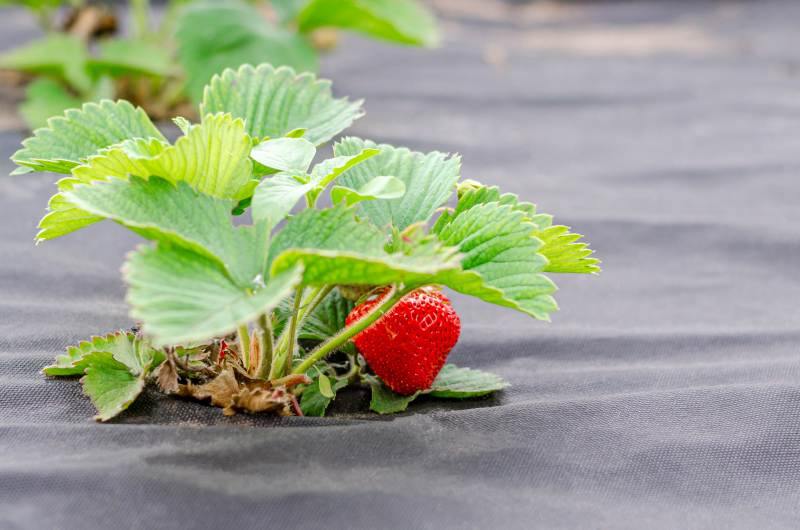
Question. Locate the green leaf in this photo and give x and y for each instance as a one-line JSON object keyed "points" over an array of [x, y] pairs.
{"points": [[259, 96], [325, 386], [471, 193], [313, 402], [460, 383], [45, 98], [80, 133], [377, 188], [565, 253], [73, 362], [161, 211], [403, 21], [57, 55], [120, 57], [562, 248], [115, 365], [183, 124], [110, 385], [215, 36], [275, 197], [212, 158], [384, 401], [501, 261], [336, 248], [129, 157], [63, 217], [183, 297], [429, 180], [285, 154]]}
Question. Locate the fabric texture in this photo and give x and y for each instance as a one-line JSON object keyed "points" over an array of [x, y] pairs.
{"points": [[664, 394]]}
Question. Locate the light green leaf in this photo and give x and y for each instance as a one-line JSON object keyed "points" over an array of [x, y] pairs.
{"points": [[403, 21], [183, 124], [63, 218], [161, 211], [325, 386], [126, 158], [212, 158], [377, 188], [110, 385], [501, 261], [329, 170], [565, 253], [460, 383], [384, 401], [313, 402], [45, 98], [80, 133], [429, 180], [57, 55], [471, 193], [119, 57], [183, 297], [285, 154], [74, 362], [561, 247], [259, 96], [336, 248], [215, 36], [275, 197]]}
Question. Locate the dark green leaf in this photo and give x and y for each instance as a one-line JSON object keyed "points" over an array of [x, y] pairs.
{"points": [[384, 401]]}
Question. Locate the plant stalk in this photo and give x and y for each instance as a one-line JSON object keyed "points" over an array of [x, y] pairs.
{"points": [[351, 331], [267, 346], [244, 345], [287, 340], [140, 12]]}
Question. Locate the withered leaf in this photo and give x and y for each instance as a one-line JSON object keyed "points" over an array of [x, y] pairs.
{"points": [[220, 390], [167, 376]]}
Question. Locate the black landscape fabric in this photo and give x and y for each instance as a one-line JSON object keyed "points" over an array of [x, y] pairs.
{"points": [[664, 394]]}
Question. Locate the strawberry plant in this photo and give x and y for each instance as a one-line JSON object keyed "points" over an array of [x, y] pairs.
{"points": [[163, 68], [330, 278]]}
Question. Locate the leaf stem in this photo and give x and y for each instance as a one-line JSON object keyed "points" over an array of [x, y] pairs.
{"points": [[287, 340], [244, 345], [141, 17], [293, 327], [267, 345], [351, 331]]}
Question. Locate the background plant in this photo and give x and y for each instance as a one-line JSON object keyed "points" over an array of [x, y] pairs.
{"points": [[162, 67], [250, 315]]}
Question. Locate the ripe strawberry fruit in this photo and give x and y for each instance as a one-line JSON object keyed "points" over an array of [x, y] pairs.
{"points": [[408, 346]]}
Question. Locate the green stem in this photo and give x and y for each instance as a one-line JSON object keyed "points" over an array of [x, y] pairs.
{"points": [[140, 12], [265, 336], [338, 340], [286, 342], [244, 345]]}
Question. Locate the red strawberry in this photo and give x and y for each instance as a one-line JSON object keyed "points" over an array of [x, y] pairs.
{"points": [[408, 345]]}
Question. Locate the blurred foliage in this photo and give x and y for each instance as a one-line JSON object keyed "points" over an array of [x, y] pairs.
{"points": [[163, 68]]}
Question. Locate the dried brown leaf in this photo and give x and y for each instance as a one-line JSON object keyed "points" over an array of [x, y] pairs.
{"points": [[167, 376]]}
